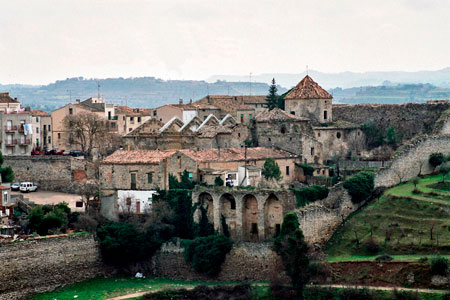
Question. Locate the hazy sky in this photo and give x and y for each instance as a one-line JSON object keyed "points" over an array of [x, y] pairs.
{"points": [[45, 40]]}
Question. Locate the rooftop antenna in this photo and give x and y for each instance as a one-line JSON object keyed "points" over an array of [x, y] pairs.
{"points": [[207, 87], [307, 70], [98, 90], [250, 83]]}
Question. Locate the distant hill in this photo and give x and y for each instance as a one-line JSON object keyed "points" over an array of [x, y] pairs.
{"points": [[348, 79], [136, 92], [388, 93]]}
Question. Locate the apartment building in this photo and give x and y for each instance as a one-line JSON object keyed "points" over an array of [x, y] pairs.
{"points": [[42, 127]]}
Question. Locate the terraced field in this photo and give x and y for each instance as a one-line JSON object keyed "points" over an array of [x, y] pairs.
{"points": [[404, 221]]}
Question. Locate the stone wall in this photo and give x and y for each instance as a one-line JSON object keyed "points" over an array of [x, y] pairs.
{"points": [[412, 158], [52, 173], [410, 119], [245, 262], [320, 219], [37, 266]]}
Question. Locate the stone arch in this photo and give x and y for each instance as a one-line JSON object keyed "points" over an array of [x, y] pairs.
{"points": [[206, 201], [273, 216], [250, 218], [283, 129], [227, 209]]}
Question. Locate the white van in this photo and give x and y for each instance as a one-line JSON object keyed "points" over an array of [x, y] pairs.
{"points": [[26, 187]]}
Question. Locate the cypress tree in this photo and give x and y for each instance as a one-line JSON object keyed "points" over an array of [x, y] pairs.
{"points": [[272, 97]]}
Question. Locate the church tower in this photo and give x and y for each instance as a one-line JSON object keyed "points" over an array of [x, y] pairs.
{"points": [[308, 99]]}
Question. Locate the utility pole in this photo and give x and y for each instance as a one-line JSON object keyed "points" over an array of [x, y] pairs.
{"points": [[250, 83], [98, 90]]}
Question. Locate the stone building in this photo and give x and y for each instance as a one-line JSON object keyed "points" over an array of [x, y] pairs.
{"points": [[232, 105], [129, 118], [42, 127], [186, 112], [9, 104], [310, 100]]}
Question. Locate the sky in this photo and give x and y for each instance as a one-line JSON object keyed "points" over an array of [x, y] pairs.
{"points": [[46, 40]]}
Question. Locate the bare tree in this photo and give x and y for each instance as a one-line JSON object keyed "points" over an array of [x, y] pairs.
{"points": [[86, 130], [421, 163], [89, 194], [401, 174]]}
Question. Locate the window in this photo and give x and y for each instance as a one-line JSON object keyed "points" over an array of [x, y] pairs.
{"points": [[129, 129], [149, 177], [59, 135], [283, 130], [124, 118], [113, 125], [242, 118], [254, 229], [287, 170], [312, 151], [190, 176], [249, 116], [49, 140], [37, 142], [5, 198], [239, 134], [277, 229], [270, 139], [109, 115], [49, 128], [318, 134], [154, 113], [70, 111], [37, 130], [325, 114], [79, 204], [293, 113], [37, 119], [338, 135], [45, 127], [128, 201], [139, 119], [132, 119]]}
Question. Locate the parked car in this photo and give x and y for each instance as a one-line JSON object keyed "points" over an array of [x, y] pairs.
{"points": [[50, 152], [66, 152], [26, 187], [15, 186], [76, 153], [37, 152], [59, 152]]}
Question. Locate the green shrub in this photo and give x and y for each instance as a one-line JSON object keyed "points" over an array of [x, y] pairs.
{"points": [[435, 159], [360, 186], [439, 266], [310, 194], [371, 246], [206, 254], [307, 169], [45, 218], [218, 181]]}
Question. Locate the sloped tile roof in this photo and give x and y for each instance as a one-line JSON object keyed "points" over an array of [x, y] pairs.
{"points": [[308, 89], [6, 98], [134, 111], [138, 156], [40, 113], [277, 114], [236, 154]]}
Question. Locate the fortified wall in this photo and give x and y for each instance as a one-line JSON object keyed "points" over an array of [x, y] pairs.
{"points": [[245, 262], [51, 173], [411, 159], [410, 119], [37, 266]]}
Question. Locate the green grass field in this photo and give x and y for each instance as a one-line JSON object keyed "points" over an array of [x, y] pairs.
{"points": [[400, 222], [104, 288]]}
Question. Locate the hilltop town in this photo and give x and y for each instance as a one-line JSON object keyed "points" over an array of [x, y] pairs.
{"points": [[107, 189]]}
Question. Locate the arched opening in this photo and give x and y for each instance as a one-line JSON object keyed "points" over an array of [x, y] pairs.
{"points": [[228, 214], [283, 130], [206, 202], [273, 217], [250, 218], [338, 135]]}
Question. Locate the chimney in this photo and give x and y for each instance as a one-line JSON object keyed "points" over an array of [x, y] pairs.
{"points": [[181, 101], [78, 101], [190, 101]]}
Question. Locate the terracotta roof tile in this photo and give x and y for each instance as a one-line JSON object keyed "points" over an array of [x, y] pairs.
{"points": [[308, 89], [277, 115], [208, 131], [134, 111], [40, 113], [236, 154], [138, 156]]}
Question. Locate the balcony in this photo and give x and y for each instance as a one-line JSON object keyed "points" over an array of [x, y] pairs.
{"points": [[25, 142], [11, 143], [20, 128], [10, 128]]}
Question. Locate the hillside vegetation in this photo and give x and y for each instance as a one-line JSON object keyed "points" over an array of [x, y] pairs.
{"points": [[405, 220]]}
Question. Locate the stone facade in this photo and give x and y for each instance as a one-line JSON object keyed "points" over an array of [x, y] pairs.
{"points": [[318, 110], [37, 266], [412, 158], [340, 140]]}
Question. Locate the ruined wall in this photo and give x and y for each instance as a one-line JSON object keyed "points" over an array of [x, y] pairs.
{"points": [[37, 266], [410, 159], [52, 173], [320, 219], [410, 118], [340, 141], [245, 262]]}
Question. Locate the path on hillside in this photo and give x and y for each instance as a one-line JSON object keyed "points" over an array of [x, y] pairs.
{"points": [[139, 294]]}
